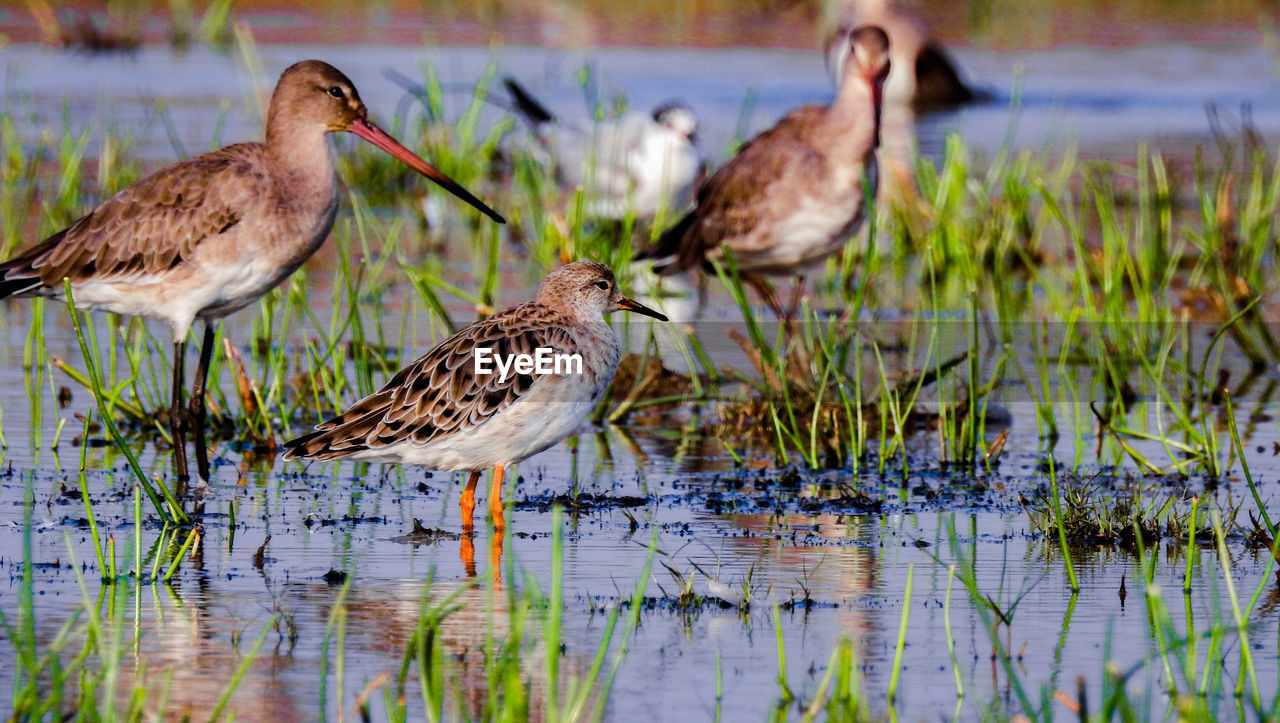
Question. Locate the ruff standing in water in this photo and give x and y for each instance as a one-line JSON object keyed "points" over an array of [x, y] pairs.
{"points": [[444, 412], [794, 194], [208, 236]]}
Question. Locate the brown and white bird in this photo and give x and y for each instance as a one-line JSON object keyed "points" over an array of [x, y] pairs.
{"points": [[208, 236], [794, 194], [456, 408], [923, 75]]}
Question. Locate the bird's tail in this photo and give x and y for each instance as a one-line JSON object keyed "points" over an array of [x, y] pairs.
{"points": [[13, 287], [343, 435], [322, 445], [17, 275], [22, 273], [525, 105], [304, 446]]}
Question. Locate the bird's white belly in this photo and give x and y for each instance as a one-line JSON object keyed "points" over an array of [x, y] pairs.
{"points": [[511, 437], [806, 236], [243, 283], [145, 295], [224, 276]]}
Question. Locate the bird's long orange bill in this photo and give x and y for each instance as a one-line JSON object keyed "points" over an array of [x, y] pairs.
{"points": [[379, 138], [636, 306]]}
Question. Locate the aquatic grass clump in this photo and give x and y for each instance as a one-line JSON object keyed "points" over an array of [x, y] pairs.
{"points": [[1185, 669], [826, 387], [169, 510], [1107, 511], [89, 667], [1081, 269]]}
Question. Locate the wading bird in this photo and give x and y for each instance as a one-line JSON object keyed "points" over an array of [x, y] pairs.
{"points": [[208, 236], [639, 164], [922, 76], [443, 413], [794, 194]]}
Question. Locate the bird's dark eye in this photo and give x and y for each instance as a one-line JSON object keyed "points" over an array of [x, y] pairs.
{"points": [[335, 91], [602, 285]]}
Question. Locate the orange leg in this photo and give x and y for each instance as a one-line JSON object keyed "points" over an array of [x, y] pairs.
{"points": [[495, 556], [495, 498], [468, 554], [469, 503]]}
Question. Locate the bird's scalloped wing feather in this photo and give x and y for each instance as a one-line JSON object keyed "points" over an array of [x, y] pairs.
{"points": [[440, 394]]}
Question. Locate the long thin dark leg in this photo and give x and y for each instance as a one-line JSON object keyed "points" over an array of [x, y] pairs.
{"points": [[797, 297], [178, 416], [198, 405], [765, 290]]}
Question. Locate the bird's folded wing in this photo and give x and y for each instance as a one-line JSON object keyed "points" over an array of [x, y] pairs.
{"points": [[440, 394], [149, 227], [732, 202]]}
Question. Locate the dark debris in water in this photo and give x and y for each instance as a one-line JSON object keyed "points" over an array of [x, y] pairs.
{"points": [[425, 535], [855, 504], [312, 521], [807, 603], [700, 603], [682, 604], [260, 557], [581, 502]]}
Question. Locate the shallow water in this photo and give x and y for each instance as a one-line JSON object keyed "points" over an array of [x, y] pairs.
{"points": [[789, 538], [783, 537], [1039, 97], [853, 567]]}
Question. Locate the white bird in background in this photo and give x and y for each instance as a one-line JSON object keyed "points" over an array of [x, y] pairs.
{"points": [[640, 164]]}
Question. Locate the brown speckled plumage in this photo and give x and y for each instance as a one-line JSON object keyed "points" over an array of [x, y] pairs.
{"points": [[440, 412], [440, 394]]}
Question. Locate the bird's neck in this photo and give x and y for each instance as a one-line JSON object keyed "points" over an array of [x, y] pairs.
{"points": [[573, 314], [852, 125], [301, 157]]}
